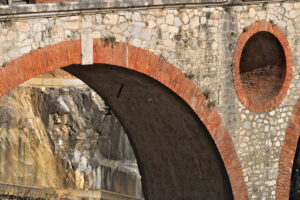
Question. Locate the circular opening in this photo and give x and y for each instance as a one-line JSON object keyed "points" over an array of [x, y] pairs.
{"points": [[262, 67]]}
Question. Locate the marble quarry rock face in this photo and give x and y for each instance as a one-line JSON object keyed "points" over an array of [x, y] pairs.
{"points": [[64, 137]]}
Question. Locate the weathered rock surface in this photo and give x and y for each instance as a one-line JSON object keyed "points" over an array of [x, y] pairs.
{"points": [[64, 137]]}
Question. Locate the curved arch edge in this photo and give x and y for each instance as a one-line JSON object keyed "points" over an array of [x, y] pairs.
{"points": [[288, 155], [241, 93], [115, 53]]}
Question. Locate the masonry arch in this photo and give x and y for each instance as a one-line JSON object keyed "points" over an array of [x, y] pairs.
{"points": [[262, 66], [183, 149], [288, 155]]}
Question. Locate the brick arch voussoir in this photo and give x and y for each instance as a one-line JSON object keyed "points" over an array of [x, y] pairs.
{"points": [[288, 156], [115, 53], [245, 99], [38, 62]]}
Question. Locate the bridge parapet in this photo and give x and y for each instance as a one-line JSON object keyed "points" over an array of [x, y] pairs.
{"points": [[122, 3], [28, 6]]}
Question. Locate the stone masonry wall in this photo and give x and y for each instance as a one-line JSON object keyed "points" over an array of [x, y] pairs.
{"points": [[200, 41]]}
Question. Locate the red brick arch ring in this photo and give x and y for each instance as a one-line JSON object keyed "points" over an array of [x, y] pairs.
{"points": [[245, 99], [288, 155], [126, 56]]}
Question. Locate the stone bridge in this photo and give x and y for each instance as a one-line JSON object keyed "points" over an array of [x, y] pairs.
{"points": [[207, 90]]}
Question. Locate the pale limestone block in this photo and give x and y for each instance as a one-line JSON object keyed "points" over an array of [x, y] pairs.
{"points": [[128, 15], [14, 54], [22, 26], [185, 27], [139, 24], [169, 44], [165, 35], [194, 22], [184, 18], [208, 9], [145, 34], [173, 29], [203, 20], [296, 5], [151, 24], [25, 49], [214, 46], [214, 29], [136, 42], [280, 10], [262, 15], [86, 49], [252, 12], [291, 29], [73, 25], [216, 23], [145, 44], [27, 42], [37, 27], [95, 34], [293, 14], [137, 17], [87, 22], [123, 26], [136, 32], [57, 31], [216, 15], [286, 6], [177, 22], [281, 24], [120, 37], [196, 12], [44, 21], [122, 19], [4, 31], [161, 20], [98, 18], [38, 37], [22, 37], [195, 33], [111, 19], [210, 22], [116, 29], [170, 19], [164, 27]]}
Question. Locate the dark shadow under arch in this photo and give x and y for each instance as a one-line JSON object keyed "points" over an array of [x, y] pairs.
{"points": [[287, 159], [176, 155], [295, 176]]}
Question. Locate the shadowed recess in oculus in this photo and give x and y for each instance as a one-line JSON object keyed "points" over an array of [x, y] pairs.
{"points": [[262, 67], [176, 156]]}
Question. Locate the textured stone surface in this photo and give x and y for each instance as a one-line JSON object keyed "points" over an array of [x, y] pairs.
{"points": [[202, 50]]}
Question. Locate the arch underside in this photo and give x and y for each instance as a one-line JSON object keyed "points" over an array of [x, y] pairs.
{"points": [[177, 157], [289, 159], [295, 176]]}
